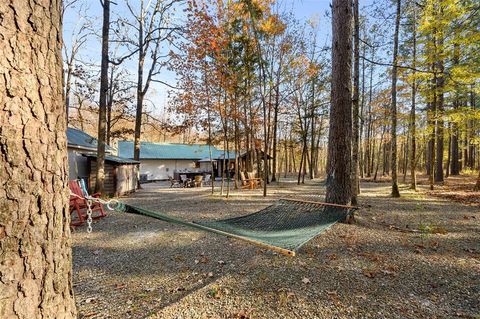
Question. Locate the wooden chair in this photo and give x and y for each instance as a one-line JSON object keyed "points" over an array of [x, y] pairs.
{"points": [[174, 182], [198, 180], [257, 181], [251, 182], [78, 205]]}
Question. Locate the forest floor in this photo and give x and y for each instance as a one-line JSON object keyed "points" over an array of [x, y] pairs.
{"points": [[413, 257]]}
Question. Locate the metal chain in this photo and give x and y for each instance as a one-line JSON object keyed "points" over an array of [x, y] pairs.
{"points": [[111, 205], [89, 216]]}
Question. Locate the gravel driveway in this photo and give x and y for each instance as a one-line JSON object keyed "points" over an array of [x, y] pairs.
{"points": [[413, 257]]}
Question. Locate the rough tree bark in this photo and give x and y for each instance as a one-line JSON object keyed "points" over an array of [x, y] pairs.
{"points": [[339, 186], [393, 111], [35, 246], [102, 108], [356, 102]]}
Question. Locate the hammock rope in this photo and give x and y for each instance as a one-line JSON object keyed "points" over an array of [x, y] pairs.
{"points": [[283, 227]]}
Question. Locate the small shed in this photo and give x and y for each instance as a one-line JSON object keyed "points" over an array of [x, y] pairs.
{"points": [[121, 174], [80, 143]]}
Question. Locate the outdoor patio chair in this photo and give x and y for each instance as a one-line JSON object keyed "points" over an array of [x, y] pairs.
{"points": [[207, 179], [198, 181], [174, 182], [250, 182], [256, 180], [78, 205], [185, 180]]}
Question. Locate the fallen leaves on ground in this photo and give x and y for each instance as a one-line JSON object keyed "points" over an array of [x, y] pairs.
{"points": [[369, 273], [244, 314]]}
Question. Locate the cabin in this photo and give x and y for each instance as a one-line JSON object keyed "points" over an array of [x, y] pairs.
{"points": [[159, 161], [121, 174], [78, 144]]}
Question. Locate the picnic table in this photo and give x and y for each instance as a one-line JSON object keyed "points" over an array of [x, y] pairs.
{"points": [[190, 175]]}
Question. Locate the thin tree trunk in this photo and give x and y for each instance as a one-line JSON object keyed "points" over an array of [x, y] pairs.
{"points": [[455, 161], [109, 106], [362, 118], [35, 238], [379, 152], [302, 162], [393, 111], [439, 86], [275, 128], [102, 111], [431, 146], [140, 95], [68, 86], [371, 149], [449, 150], [472, 131], [413, 127], [312, 132], [209, 119], [355, 105]]}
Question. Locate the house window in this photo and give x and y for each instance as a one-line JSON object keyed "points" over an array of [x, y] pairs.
{"points": [[197, 164]]}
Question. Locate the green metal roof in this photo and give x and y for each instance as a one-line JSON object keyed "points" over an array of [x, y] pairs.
{"points": [[170, 151], [78, 138]]}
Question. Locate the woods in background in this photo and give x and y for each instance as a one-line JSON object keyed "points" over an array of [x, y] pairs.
{"points": [[252, 79]]}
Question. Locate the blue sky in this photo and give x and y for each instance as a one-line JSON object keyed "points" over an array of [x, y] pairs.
{"points": [[303, 10]]}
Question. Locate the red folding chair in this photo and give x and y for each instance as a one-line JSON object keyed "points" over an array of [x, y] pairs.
{"points": [[79, 207]]}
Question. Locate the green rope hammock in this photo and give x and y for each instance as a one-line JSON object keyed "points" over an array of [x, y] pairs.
{"points": [[284, 226]]}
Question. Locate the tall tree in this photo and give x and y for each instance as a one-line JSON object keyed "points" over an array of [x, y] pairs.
{"points": [[150, 23], [35, 245], [440, 87], [393, 110], [356, 105], [79, 37], [413, 128], [339, 187], [455, 160], [102, 105]]}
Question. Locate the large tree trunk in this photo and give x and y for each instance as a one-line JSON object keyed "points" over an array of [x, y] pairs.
{"points": [[393, 111], [35, 245], [355, 100], [102, 111], [339, 185]]}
